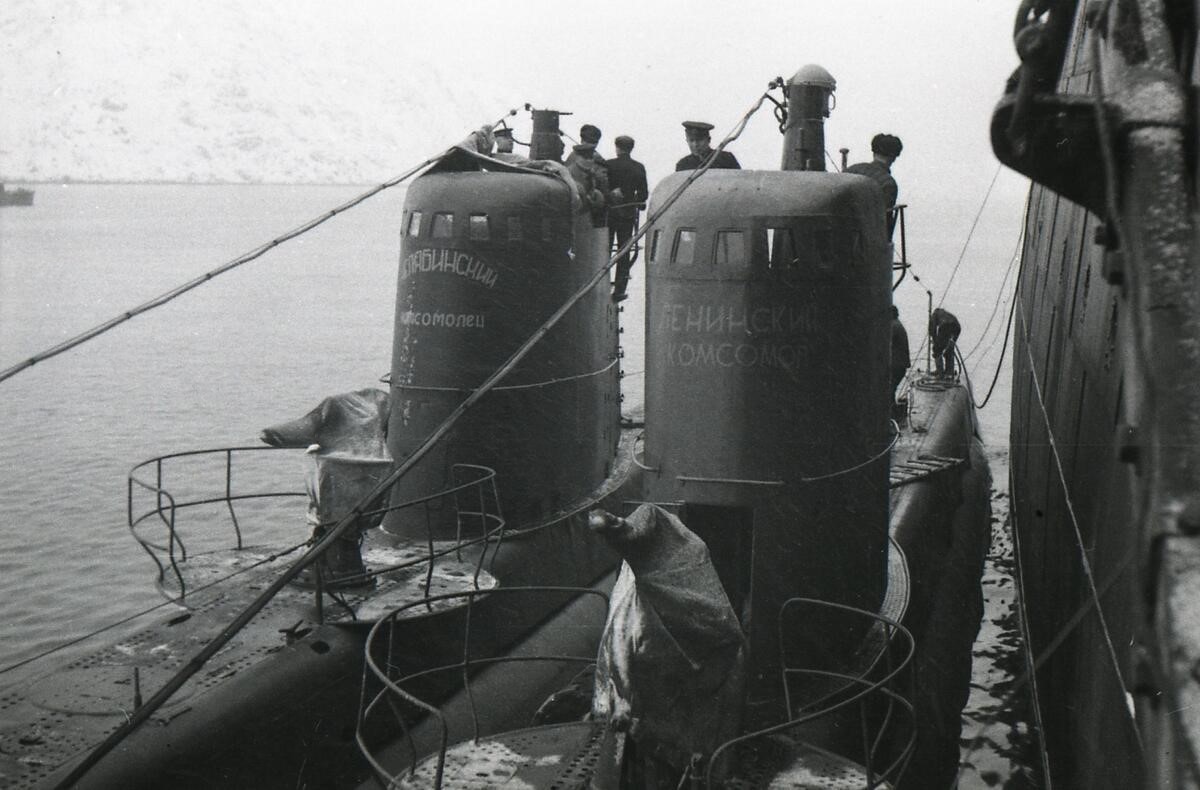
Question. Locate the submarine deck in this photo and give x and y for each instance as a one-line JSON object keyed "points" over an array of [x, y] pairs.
{"points": [[51, 718]]}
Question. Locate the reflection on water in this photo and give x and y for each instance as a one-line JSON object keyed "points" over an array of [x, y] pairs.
{"points": [[999, 743]]}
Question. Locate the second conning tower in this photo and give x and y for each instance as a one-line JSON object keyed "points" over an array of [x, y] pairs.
{"points": [[767, 390]]}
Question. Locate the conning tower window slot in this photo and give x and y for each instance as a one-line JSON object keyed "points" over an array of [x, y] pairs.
{"points": [[684, 252], [477, 227], [654, 245], [781, 244], [414, 223], [730, 248], [825, 248], [443, 225], [514, 229]]}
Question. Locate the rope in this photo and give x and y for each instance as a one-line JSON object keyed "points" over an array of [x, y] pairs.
{"points": [[178, 291], [999, 364], [970, 233], [246, 615], [1084, 562], [1012, 262], [534, 385]]}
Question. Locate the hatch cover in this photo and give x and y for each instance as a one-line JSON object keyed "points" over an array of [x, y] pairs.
{"points": [[101, 689]]}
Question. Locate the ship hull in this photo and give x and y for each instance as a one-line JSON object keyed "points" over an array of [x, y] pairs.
{"points": [[1073, 500]]}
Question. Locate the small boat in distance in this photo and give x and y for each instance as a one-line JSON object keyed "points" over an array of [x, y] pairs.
{"points": [[15, 197]]}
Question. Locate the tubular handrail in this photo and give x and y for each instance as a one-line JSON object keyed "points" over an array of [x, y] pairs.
{"points": [[171, 555], [871, 680], [393, 694], [166, 507], [884, 656]]}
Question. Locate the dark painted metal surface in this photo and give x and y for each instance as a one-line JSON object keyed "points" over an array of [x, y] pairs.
{"points": [[485, 258], [809, 97], [941, 522], [767, 331], [1105, 427]]}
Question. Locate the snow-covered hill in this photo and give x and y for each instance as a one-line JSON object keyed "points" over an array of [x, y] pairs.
{"points": [[225, 91]]}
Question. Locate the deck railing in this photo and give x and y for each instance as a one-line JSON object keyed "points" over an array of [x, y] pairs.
{"points": [[472, 496], [388, 698], [168, 553], [873, 687]]}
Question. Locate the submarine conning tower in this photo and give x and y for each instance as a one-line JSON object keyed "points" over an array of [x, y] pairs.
{"points": [[489, 250], [767, 391]]}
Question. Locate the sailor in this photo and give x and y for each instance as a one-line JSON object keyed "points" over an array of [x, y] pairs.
{"points": [[590, 179], [590, 134], [943, 333], [504, 140], [699, 143], [900, 361], [627, 178], [884, 149]]}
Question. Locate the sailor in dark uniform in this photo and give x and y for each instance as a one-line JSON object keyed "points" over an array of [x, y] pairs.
{"points": [[884, 149], [627, 176], [943, 334], [699, 143]]}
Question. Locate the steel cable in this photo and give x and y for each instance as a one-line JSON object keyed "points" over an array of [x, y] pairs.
{"points": [[196, 282], [974, 223]]}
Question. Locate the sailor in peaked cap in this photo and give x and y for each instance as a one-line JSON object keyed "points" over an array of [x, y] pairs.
{"points": [[504, 140], [699, 143]]}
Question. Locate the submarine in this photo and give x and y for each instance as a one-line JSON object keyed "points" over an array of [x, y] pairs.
{"points": [[253, 678], [799, 586]]}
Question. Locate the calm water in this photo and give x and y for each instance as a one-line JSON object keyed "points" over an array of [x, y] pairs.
{"points": [[266, 343], [260, 344]]}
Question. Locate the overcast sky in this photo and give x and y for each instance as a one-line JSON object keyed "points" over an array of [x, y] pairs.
{"points": [[929, 71], [391, 81]]}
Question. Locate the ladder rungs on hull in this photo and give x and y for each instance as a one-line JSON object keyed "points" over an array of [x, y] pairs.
{"points": [[920, 468]]}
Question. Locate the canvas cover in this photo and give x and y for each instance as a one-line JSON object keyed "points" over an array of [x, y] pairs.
{"points": [[346, 437], [670, 669]]}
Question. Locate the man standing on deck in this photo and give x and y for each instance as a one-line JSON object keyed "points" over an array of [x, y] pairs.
{"points": [[627, 176], [589, 135], [885, 148], [943, 334], [585, 156], [700, 144]]}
